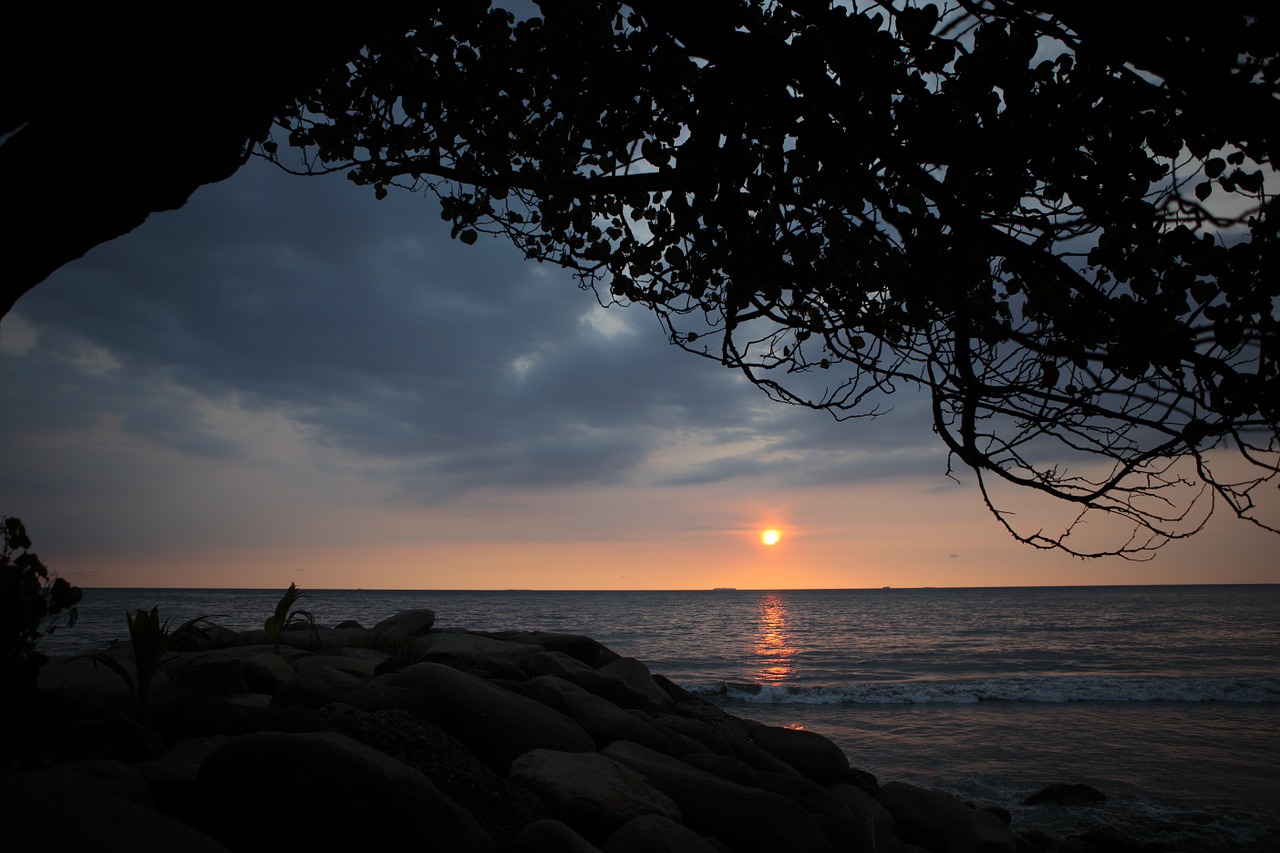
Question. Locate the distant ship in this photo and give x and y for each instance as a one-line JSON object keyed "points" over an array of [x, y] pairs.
{"points": [[725, 589], [886, 586]]}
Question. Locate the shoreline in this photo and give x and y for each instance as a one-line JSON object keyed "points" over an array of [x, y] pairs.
{"points": [[524, 718]]}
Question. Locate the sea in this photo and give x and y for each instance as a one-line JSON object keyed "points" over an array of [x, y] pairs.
{"points": [[1165, 698]]}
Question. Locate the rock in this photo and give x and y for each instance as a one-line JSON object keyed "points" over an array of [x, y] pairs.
{"points": [[1067, 794], [71, 729], [760, 758], [982, 832], [388, 698], [393, 664], [361, 669], [350, 785], [497, 725], [469, 648], [609, 687], [590, 792], [873, 819], [1006, 816], [591, 653], [321, 639], [59, 809], [171, 775], [550, 836], [393, 634], [266, 672], [812, 754], [1107, 840], [88, 679], [315, 688], [923, 817], [494, 667], [724, 766], [502, 807], [839, 823], [373, 655], [637, 675], [200, 674], [713, 737], [743, 818], [656, 834], [603, 720]]}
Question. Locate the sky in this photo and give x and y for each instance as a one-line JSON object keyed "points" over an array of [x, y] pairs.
{"points": [[289, 381]]}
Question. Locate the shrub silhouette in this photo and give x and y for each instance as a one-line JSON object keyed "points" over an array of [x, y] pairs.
{"points": [[31, 604]]}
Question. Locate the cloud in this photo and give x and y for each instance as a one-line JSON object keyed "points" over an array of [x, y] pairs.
{"points": [[297, 325]]}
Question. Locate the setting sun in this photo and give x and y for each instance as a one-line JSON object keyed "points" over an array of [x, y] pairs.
{"points": [[770, 537]]}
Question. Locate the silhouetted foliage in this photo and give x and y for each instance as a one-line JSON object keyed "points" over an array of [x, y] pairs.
{"points": [[1053, 217], [286, 614], [149, 641], [31, 604]]}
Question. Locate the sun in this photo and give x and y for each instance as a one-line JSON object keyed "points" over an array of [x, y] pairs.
{"points": [[770, 537]]}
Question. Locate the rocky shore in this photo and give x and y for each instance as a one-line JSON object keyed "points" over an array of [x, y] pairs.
{"points": [[355, 738]]}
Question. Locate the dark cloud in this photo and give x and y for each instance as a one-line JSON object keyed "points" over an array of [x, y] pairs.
{"points": [[449, 368]]}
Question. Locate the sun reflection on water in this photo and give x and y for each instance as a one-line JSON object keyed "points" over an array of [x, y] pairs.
{"points": [[773, 646]]}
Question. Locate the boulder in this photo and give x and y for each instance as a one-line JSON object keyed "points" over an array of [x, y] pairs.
{"points": [[199, 673], [361, 669], [812, 754], [171, 775], [365, 654], [315, 688], [60, 809], [924, 817], [388, 698], [550, 836], [590, 792], [496, 724], [85, 678], [266, 672], [321, 639], [394, 633], [744, 818], [495, 667], [358, 799], [603, 720], [872, 818], [982, 832], [1108, 840], [637, 675], [713, 737], [609, 687], [469, 648], [849, 831], [500, 806], [760, 758], [656, 834], [578, 646]]}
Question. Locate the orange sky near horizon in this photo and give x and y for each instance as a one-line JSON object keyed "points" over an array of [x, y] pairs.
{"points": [[687, 538]]}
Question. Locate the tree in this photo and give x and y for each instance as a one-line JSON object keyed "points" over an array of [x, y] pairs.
{"points": [[31, 605], [1055, 218]]}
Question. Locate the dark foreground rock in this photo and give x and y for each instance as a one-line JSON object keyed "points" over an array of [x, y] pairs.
{"points": [[415, 737]]}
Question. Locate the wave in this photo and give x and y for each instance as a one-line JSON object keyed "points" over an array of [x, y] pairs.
{"points": [[1048, 689]]}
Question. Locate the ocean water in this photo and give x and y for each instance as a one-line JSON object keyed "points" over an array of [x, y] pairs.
{"points": [[1166, 698]]}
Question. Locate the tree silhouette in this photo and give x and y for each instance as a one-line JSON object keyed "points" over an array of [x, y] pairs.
{"points": [[1053, 217]]}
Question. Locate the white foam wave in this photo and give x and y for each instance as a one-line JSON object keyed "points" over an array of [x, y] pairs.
{"points": [[1055, 689]]}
